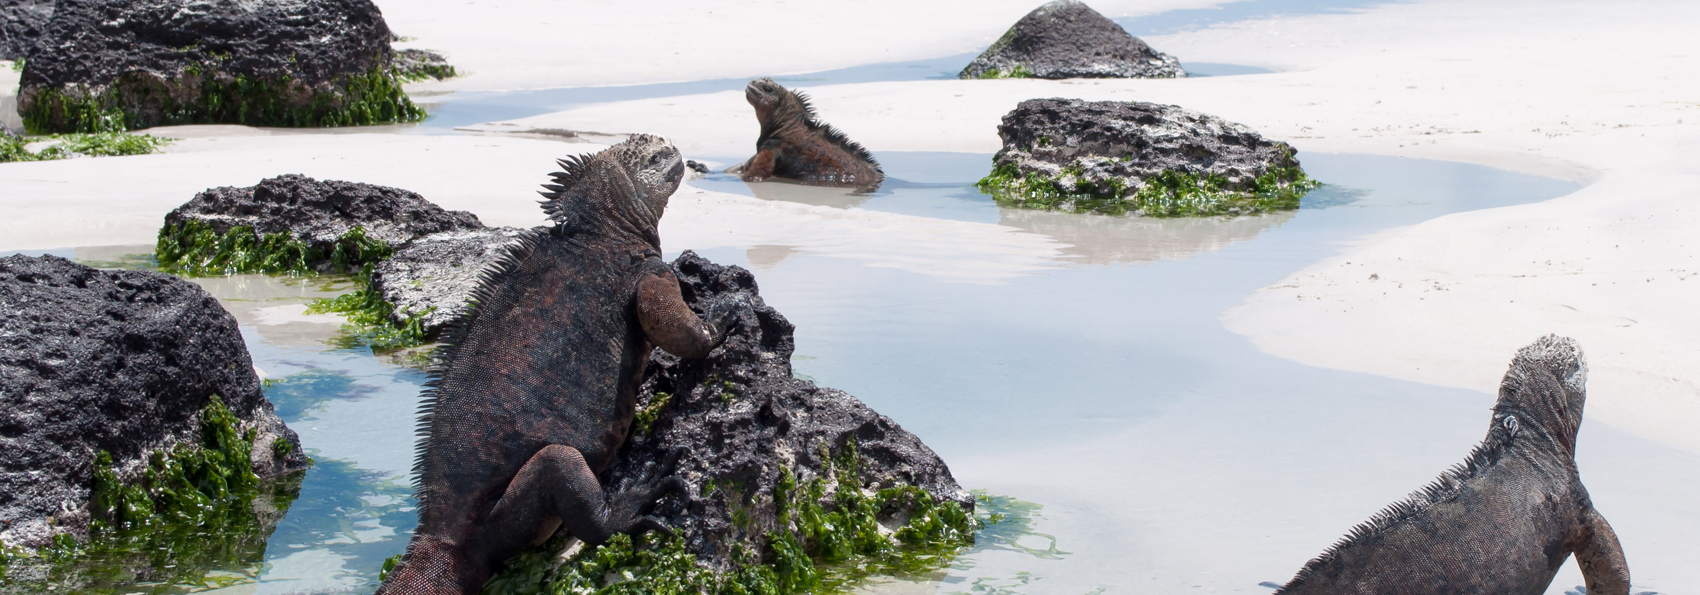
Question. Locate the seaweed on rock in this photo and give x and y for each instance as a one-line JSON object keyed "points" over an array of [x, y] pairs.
{"points": [[195, 514], [66, 146]]}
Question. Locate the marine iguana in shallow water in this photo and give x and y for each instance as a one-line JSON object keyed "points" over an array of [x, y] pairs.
{"points": [[1505, 519], [535, 388], [794, 145]]}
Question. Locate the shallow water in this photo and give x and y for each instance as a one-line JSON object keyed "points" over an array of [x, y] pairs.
{"points": [[1167, 452], [1176, 21]]}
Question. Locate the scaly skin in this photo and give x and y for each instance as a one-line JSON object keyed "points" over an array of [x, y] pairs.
{"points": [[1505, 520], [795, 146], [534, 391]]}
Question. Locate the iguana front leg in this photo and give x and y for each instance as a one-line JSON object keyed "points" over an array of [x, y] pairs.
{"points": [[1600, 556], [671, 324]]}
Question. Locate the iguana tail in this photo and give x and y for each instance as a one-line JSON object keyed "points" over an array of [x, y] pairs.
{"points": [[434, 566]]}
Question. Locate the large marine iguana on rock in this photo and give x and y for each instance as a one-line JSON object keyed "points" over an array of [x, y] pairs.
{"points": [[535, 389], [1505, 520], [794, 145]]}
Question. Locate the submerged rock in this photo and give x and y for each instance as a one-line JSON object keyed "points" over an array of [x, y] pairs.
{"points": [[117, 362], [21, 23], [1067, 39], [293, 223], [754, 440], [126, 64], [418, 65], [1116, 157], [432, 277]]}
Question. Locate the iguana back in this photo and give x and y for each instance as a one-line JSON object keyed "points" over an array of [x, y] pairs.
{"points": [[535, 387]]}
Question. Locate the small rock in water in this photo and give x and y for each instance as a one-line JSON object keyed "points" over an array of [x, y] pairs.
{"points": [[1073, 154], [1067, 39], [115, 361], [320, 213], [696, 167]]}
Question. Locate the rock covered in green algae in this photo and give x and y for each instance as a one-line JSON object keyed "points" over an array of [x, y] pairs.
{"points": [[127, 64], [1067, 39], [1117, 157], [293, 223], [792, 487], [120, 365]]}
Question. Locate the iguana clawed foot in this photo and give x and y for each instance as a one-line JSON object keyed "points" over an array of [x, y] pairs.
{"points": [[629, 505]]}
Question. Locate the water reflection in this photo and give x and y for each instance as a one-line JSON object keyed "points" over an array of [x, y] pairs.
{"points": [[1099, 239]]}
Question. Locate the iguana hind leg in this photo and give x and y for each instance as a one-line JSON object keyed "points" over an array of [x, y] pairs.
{"points": [[1601, 557], [557, 488]]}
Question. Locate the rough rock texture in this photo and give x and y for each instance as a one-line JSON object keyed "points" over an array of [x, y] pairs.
{"points": [[321, 212], [21, 23], [1104, 143], [435, 275], [740, 416], [116, 361], [1067, 39], [257, 62]]}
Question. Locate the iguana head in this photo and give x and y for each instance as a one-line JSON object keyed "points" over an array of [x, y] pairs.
{"points": [[1546, 386], [764, 95], [623, 189]]}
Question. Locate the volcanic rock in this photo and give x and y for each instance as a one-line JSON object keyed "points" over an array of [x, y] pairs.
{"points": [[21, 23], [433, 276], [1113, 149], [321, 213], [114, 361], [139, 63], [739, 416], [416, 65], [1067, 39]]}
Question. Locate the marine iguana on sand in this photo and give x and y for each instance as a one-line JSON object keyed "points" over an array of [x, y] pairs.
{"points": [[535, 387], [795, 146], [1505, 520]]}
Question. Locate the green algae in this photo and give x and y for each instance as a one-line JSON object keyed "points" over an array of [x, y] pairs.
{"points": [[371, 318], [195, 249], [194, 517], [1167, 194], [97, 144], [822, 544], [1020, 71], [425, 72], [645, 418], [139, 101]]}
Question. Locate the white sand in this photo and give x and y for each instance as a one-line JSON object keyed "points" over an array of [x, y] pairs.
{"points": [[1604, 93], [535, 44]]}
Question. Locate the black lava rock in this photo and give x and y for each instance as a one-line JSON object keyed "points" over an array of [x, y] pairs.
{"points": [[319, 213], [433, 276], [115, 361], [21, 23], [141, 63], [1105, 143], [1067, 39], [737, 417]]}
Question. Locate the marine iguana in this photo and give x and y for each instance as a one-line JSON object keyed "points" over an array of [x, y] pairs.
{"points": [[535, 387], [794, 145], [1505, 520]]}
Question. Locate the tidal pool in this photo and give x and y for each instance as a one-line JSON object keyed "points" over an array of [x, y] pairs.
{"points": [[1166, 452]]}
